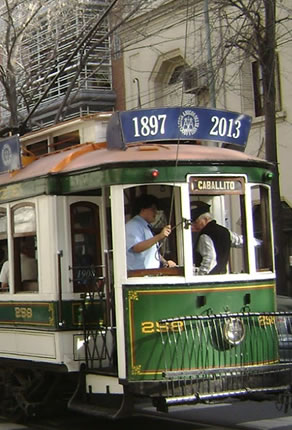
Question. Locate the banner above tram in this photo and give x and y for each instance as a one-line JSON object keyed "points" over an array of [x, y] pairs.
{"points": [[175, 124]]}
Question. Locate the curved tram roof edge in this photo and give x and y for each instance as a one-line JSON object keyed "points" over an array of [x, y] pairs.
{"points": [[88, 157]]}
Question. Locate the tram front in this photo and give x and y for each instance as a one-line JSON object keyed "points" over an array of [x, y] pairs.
{"points": [[195, 321], [195, 330]]}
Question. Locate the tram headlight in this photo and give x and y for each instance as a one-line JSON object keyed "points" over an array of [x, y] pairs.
{"points": [[154, 173], [234, 331]]}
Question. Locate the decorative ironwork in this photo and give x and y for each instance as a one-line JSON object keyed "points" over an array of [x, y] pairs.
{"points": [[136, 370], [215, 354], [52, 314], [133, 295], [98, 329]]}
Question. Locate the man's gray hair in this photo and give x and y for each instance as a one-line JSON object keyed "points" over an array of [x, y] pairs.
{"points": [[207, 216]]}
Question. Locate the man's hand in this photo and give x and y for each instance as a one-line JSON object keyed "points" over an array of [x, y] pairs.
{"points": [[165, 232], [171, 263]]}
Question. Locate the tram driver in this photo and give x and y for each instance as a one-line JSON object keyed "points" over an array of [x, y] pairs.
{"points": [[141, 242]]}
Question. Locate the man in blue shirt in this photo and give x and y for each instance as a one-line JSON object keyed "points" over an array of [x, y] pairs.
{"points": [[142, 245]]}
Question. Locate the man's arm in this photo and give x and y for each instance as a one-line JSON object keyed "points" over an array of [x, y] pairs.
{"points": [[208, 253], [4, 275], [146, 244], [236, 239]]}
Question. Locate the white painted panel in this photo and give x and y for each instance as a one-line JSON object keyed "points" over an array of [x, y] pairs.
{"points": [[103, 384], [27, 344]]}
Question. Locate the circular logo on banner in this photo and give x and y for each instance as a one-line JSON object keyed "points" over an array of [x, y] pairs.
{"points": [[188, 123], [6, 155]]}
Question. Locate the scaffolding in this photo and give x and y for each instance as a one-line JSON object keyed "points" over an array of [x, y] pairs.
{"points": [[46, 49]]}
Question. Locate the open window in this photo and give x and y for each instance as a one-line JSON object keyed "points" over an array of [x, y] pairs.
{"points": [[165, 210], [25, 248], [262, 228], [223, 198]]}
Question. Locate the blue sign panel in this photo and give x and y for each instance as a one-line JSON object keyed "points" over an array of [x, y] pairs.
{"points": [[182, 124], [10, 158]]}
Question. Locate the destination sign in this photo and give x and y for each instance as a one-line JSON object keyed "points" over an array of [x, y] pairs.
{"points": [[177, 123], [207, 185]]}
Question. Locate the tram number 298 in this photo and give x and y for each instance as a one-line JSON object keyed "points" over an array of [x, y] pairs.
{"points": [[23, 312], [149, 327]]}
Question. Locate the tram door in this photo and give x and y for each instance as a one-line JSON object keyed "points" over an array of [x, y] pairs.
{"points": [[89, 279], [86, 246]]}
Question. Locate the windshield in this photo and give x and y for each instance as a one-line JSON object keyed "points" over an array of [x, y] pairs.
{"points": [[209, 226]]}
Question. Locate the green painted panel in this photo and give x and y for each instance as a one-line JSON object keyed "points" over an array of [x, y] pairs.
{"points": [[142, 174], [32, 314], [46, 315], [91, 180], [93, 313], [24, 189], [154, 348]]}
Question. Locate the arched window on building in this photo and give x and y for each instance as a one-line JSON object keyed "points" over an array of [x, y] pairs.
{"points": [[166, 79], [175, 83]]}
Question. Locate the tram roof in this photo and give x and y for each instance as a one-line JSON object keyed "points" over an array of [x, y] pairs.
{"points": [[88, 156]]}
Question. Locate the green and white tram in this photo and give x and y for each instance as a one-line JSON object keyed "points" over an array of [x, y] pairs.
{"points": [[123, 337]]}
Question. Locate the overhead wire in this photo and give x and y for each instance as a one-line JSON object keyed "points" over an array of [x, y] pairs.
{"points": [[131, 43], [171, 210], [181, 106]]}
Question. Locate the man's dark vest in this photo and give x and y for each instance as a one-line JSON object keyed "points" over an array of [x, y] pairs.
{"points": [[222, 243]]}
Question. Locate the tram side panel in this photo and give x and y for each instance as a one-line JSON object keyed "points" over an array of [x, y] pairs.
{"points": [[45, 325]]}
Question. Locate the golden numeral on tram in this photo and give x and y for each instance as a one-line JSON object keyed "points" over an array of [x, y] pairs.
{"points": [[265, 320], [21, 312], [149, 327]]}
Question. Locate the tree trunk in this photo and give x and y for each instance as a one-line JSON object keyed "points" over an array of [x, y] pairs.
{"points": [[268, 66]]}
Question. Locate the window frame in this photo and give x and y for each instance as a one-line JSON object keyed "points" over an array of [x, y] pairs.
{"points": [[162, 271], [93, 231], [258, 92], [29, 285]]}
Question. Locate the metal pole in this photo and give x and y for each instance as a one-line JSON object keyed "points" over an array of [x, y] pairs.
{"points": [[138, 89], [211, 80]]}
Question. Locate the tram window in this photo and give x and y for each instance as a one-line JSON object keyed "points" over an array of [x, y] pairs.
{"points": [[38, 148], [262, 228], [216, 250], [86, 246], [65, 141], [3, 248], [25, 248], [163, 257]]}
